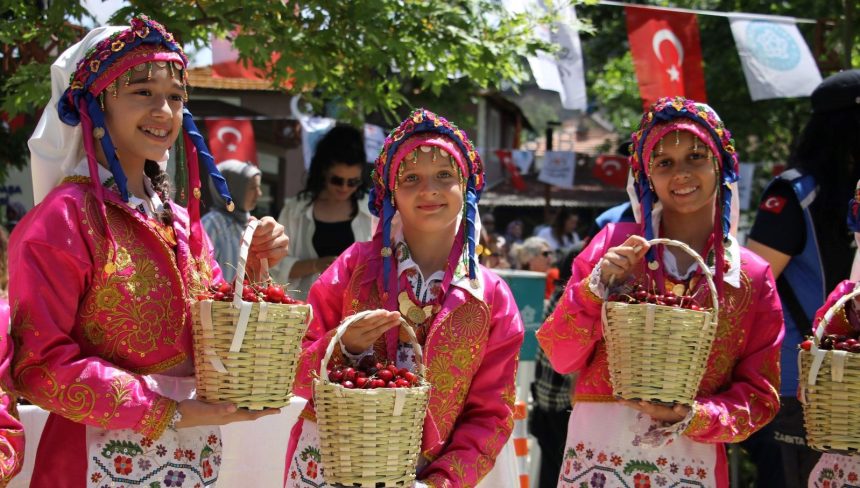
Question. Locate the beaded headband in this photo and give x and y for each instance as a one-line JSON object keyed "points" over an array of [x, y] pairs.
{"points": [[678, 113], [424, 130]]}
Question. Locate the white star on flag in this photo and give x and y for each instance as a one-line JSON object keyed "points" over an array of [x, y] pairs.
{"points": [[674, 75]]}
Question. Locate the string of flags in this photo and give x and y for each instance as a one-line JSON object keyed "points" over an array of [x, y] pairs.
{"points": [[667, 55]]}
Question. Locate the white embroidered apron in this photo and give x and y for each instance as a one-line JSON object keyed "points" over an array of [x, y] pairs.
{"points": [[179, 458], [605, 449]]}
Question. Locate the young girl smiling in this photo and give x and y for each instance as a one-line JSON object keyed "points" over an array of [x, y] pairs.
{"points": [[684, 163], [421, 265]]}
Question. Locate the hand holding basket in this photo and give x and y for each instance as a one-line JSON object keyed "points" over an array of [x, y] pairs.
{"points": [[246, 353], [370, 437], [657, 352], [830, 390]]}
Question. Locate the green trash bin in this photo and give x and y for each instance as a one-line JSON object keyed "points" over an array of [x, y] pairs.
{"points": [[528, 289]]}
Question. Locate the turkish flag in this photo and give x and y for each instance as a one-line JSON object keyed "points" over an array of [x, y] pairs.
{"points": [[666, 53], [232, 139], [507, 161], [226, 64], [611, 170]]}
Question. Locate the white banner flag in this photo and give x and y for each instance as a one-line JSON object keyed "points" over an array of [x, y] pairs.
{"points": [[374, 139], [777, 62], [562, 72], [559, 168], [570, 67], [523, 160]]}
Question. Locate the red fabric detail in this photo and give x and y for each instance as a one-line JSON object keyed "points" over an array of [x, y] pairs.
{"points": [[611, 170], [232, 139], [507, 161], [666, 53], [773, 204], [226, 64]]}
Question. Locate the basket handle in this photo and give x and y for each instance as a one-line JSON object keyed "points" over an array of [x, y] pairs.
{"points": [[341, 329], [243, 306], [244, 248], [837, 366], [709, 276]]}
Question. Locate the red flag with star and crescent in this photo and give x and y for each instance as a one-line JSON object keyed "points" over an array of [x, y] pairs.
{"points": [[666, 53], [507, 161], [232, 139]]}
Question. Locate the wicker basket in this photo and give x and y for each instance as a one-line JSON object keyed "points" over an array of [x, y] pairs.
{"points": [[659, 353], [370, 437], [246, 353], [830, 391]]}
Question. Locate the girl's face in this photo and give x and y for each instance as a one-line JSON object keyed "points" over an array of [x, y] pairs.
{"points": [[341, 181], [145, 116], [253, 193], [683, 174], [541, 261], [428, 196]]}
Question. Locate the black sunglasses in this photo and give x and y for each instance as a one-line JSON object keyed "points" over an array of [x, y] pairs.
{"points": [[335, 180], [547, 254]]}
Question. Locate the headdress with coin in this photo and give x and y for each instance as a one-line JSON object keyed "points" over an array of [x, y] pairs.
{"points": [[74, 121], [425, 131]]}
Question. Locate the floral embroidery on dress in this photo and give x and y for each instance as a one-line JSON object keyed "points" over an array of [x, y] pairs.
{"points": [[306, 470], [586, 467], [836, 471], [126, 458]]}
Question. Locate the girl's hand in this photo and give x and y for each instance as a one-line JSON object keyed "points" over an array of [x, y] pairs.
{"points": [[619, 261], [363, 333], [195, 413], [269, 242], [673, 414]]}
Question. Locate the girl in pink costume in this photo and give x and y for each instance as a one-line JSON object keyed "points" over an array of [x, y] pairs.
{"points": [[840, 470], [421, 264], [105, 268], [684, 164], [11, 430]]}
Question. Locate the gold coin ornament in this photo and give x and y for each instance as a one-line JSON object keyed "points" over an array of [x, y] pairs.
{"points": [[415, 314]]}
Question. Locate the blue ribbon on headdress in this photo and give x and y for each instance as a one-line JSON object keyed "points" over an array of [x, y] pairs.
{"points": [[204, 155]]}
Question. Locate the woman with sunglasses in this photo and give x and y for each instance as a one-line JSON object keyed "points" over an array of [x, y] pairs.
{"points": [[534, 254], [330, 213]]}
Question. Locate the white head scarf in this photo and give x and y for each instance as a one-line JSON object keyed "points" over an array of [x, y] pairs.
{"points": [[57, 147]]}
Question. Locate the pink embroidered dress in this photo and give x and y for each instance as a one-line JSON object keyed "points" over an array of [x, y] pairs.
{"points": [[11, 430], [837, 470], [111, 371], [610, 444], [471, 338], [100, 289]]}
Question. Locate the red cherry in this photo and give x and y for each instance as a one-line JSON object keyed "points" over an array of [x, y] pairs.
{"points": [[411, 377], [401, 383], [349, 374], [402, 372], [392, 368], [377, 383], [336, 376], [855, 348], [806, 345], [225, 288], [385, 375], [348, 384], [391, 384], [361, 382]]}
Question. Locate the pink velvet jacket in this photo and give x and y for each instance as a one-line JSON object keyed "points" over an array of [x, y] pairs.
{"points": [[87, 324], [11, 430], [739, 392], [471, 353]]}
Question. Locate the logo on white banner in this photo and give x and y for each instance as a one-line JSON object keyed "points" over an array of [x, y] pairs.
{"points": [[773, 46]]}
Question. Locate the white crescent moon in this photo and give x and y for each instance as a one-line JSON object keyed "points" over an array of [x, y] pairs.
{"points": [[610, 166], [228, 130], [667, 35]]}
